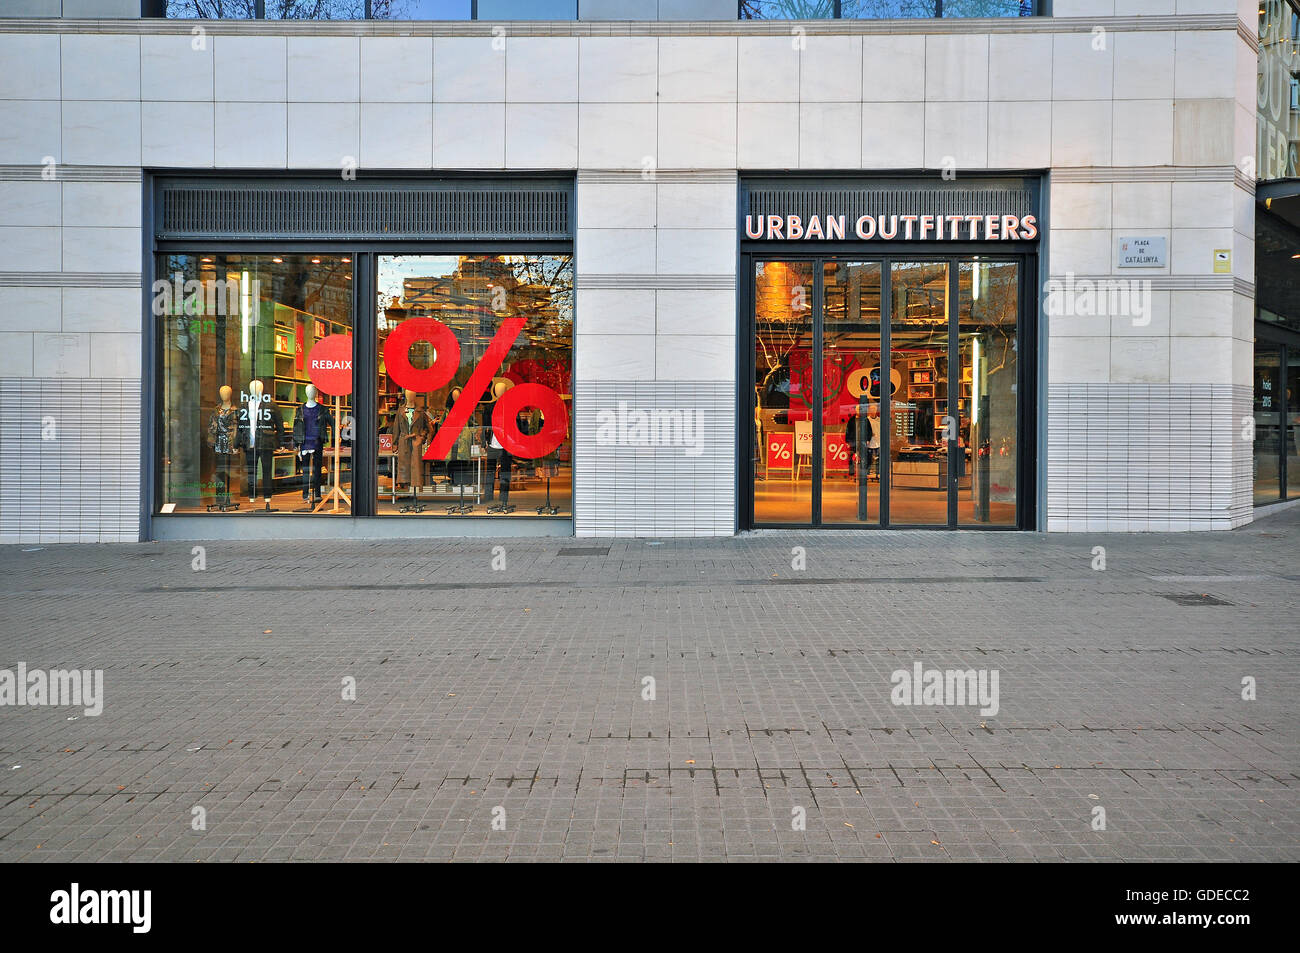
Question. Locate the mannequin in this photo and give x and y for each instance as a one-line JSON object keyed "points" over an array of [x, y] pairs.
{"points": [[873, 442], [498, 458], [548, 466], [260, 433], [410, 429], [223, 438], [313, 428]]}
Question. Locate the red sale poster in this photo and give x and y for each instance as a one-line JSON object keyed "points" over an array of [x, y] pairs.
{"points": [[837, 453], [297, 346], [780, 451]]}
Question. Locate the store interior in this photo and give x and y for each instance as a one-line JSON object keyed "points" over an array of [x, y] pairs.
{"points": [[242, 427], [476, 296], [976, 404], [247, 428]]}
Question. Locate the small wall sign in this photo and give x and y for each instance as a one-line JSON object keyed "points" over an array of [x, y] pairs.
{"points": [[1142, 251], [1223, 261]]}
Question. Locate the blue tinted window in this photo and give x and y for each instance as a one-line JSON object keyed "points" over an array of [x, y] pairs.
{"points": [[787, 9], [321, 9], [315, 9], [527, 9], [421, 10], [210, 9], [882, 9]]}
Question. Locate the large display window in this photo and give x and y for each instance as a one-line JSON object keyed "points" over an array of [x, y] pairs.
{"points": [[475, 385], [244, 423]]}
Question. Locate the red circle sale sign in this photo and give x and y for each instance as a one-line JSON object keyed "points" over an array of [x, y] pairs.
{"points": [[329, 365]]}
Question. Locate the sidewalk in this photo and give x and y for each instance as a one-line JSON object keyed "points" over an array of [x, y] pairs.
{"points": [[522, 690]]}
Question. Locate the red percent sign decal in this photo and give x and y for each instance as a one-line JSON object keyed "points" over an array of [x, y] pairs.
{"points": [[446, 363]]}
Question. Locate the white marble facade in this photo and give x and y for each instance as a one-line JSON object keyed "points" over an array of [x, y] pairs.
{"points": [[1138, 112]]}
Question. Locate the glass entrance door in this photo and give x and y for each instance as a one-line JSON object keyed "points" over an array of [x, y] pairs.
{"points": [[909, 421], [1269, 437], [985, 401], [784, 392], [851, 421], [918, 363]]}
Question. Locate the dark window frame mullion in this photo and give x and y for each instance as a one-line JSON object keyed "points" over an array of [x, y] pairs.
{"points": [[1284, 411], [365, 371], [954, 368], [818, 394], [884, 468]]}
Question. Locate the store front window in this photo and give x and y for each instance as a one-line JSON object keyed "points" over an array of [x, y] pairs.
{"points": [[244, 422], [474, 397], [1268, 458], [1276, 460], [913, 422], [1278, 90], [984, 399]]}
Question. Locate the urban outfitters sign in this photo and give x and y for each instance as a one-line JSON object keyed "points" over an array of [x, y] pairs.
{"points": [[987, 228]]}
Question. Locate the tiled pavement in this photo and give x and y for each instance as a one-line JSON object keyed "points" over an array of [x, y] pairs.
{"points": [[522, 689]]}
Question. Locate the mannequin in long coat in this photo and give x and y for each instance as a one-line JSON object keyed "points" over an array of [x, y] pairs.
{"points": [[410, 433]]}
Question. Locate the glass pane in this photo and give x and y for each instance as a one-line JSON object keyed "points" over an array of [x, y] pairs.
{"points": [[356, 9], [984, 408], [210, 9], [1277, 106], [787, 9], [783, 391], [918, 345], [317, 9], [1293, 421], [851, 420], [474, 386], [887, 9], [527, 10], [246, 423], [1268, 419], [420, 9]]}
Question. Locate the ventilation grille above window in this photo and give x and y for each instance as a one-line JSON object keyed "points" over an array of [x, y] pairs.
{"points": [[460, 210], [854, 203]]}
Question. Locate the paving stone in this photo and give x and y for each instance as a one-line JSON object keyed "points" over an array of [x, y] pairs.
{"points": [[773, 691]]}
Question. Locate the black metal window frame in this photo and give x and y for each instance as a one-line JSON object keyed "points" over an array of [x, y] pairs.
{"points": [[1287, 343]]}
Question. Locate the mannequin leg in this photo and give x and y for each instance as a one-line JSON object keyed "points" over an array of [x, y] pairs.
{"points": [[268, 472], [489, 479], [317, 473], [250, 474], [507, 464]]}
